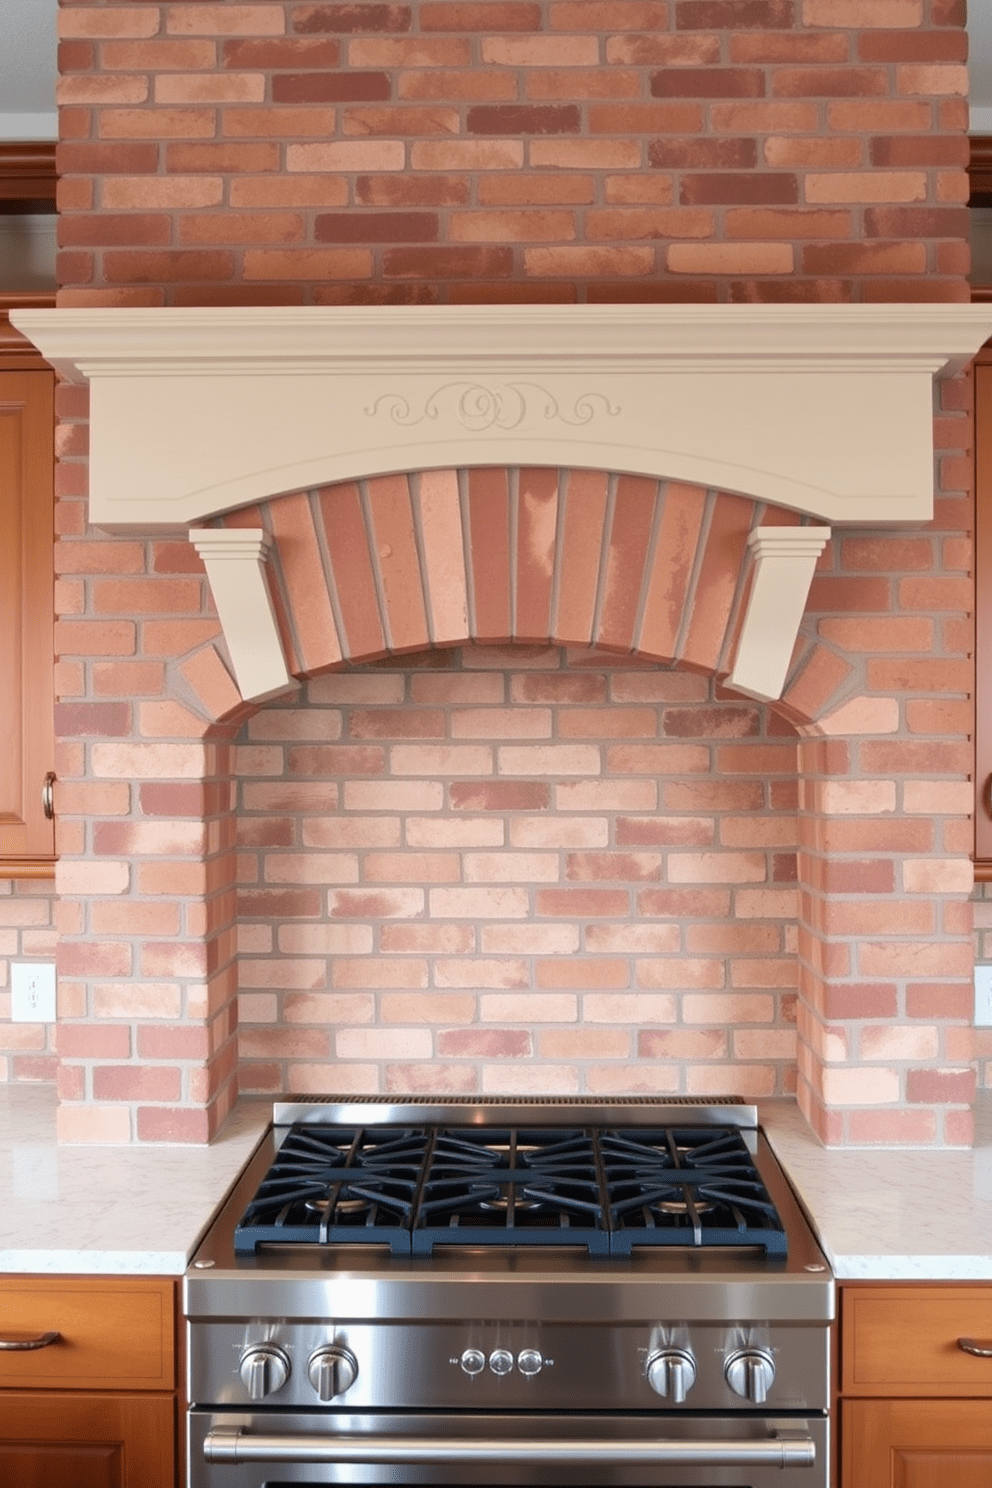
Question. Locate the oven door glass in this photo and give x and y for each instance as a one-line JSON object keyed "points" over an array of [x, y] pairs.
{"points": [[276, 1450]]}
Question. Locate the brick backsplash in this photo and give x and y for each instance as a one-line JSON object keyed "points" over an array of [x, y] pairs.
{"points": [[547, 150], [549, 852], [517, 880]]}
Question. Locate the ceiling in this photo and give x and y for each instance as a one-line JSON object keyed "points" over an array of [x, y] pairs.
{"points": [[27, 68]]}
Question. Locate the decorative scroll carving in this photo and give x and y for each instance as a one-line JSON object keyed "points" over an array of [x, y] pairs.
{"points": [[477, 406]]}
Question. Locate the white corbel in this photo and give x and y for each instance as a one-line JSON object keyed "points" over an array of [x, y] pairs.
{"points": [[235, 559], [784, 562]]}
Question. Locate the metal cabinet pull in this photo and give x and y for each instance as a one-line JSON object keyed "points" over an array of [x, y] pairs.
{"points": [[48, 795], [980, 1347], [16, 1345], [239, 1446]]}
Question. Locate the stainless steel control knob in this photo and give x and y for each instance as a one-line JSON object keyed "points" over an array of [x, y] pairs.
{"points": [[530, 1362], [501, 1361], [264, 1369], [473, 1361], [750, 1373], [672, 1373], [331, 1371]]}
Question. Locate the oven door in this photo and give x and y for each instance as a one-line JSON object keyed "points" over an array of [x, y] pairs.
{"points": [[273, 1450]]}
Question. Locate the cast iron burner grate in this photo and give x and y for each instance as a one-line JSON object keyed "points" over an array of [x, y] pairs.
{"points": [[610, 1191]]}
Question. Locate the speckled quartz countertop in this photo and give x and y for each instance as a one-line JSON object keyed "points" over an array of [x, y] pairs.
{"points": [[890, 1214], [142, 1210], [109, 1210]]}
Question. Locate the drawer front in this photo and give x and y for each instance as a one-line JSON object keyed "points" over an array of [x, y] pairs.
{"points": [[904, 1340], [112, 1334]]}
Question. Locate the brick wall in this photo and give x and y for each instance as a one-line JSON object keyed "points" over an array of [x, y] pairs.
{"points": [[27, 932], [567, 150], [457, 150]]}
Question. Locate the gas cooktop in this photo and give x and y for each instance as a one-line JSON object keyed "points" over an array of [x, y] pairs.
{"points": [[413, 1186]]}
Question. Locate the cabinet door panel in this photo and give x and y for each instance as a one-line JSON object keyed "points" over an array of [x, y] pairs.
{"points": [[27, 841], [53, 1440], [916, 1444]]}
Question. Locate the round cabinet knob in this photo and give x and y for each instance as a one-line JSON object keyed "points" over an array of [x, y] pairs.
{"points": [[672, 1373], [529, 1362], [264, 1370], [331, 1371], [501, 1361], [750, 1373], [473, 1361]]}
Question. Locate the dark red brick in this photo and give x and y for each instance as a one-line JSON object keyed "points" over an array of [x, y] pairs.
{"points": [[76, 56], [734, 15], [913, 46], [376, 227], [330, 87], [524, 119], [764, 187], [708, 82]]}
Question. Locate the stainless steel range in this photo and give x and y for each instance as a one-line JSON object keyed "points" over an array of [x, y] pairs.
{"points": [[512, 1291]]}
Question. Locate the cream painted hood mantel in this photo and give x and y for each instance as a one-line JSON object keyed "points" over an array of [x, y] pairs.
{"points": [[823, 409]]}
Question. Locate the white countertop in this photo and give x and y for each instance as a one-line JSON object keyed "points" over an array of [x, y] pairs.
{"points": [[109, 1210], [890, 1214], [142, 1210]]}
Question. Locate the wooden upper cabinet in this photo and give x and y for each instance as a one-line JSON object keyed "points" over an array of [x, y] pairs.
{"points": [[27, 746]]}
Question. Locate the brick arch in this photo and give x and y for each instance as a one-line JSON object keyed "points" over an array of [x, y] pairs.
{"points": [[396, 564]]}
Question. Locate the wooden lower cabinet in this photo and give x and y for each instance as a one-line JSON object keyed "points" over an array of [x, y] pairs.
{"points": [[916, 1443], [915, 1408], [98, 1407], [58, 1440]]}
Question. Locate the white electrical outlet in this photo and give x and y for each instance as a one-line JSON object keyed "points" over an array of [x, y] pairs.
{"points": [[983, 996], [32, 992]]}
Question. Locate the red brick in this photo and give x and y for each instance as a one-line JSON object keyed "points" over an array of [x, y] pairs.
{"points": [[85, 158], [524, 119], [726, 15], [830, 82], [711, 153], [454, 262], [726, 188], [307, 19], [913, 46], [102, 229], [708, 82], [480, 15], [609, 15], [940, 1087], [276, 53], [222, 158], [330, 87], [376, 227]]}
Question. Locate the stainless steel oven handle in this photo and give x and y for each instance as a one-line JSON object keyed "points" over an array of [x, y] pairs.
{"points": [[239, 1446]]}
